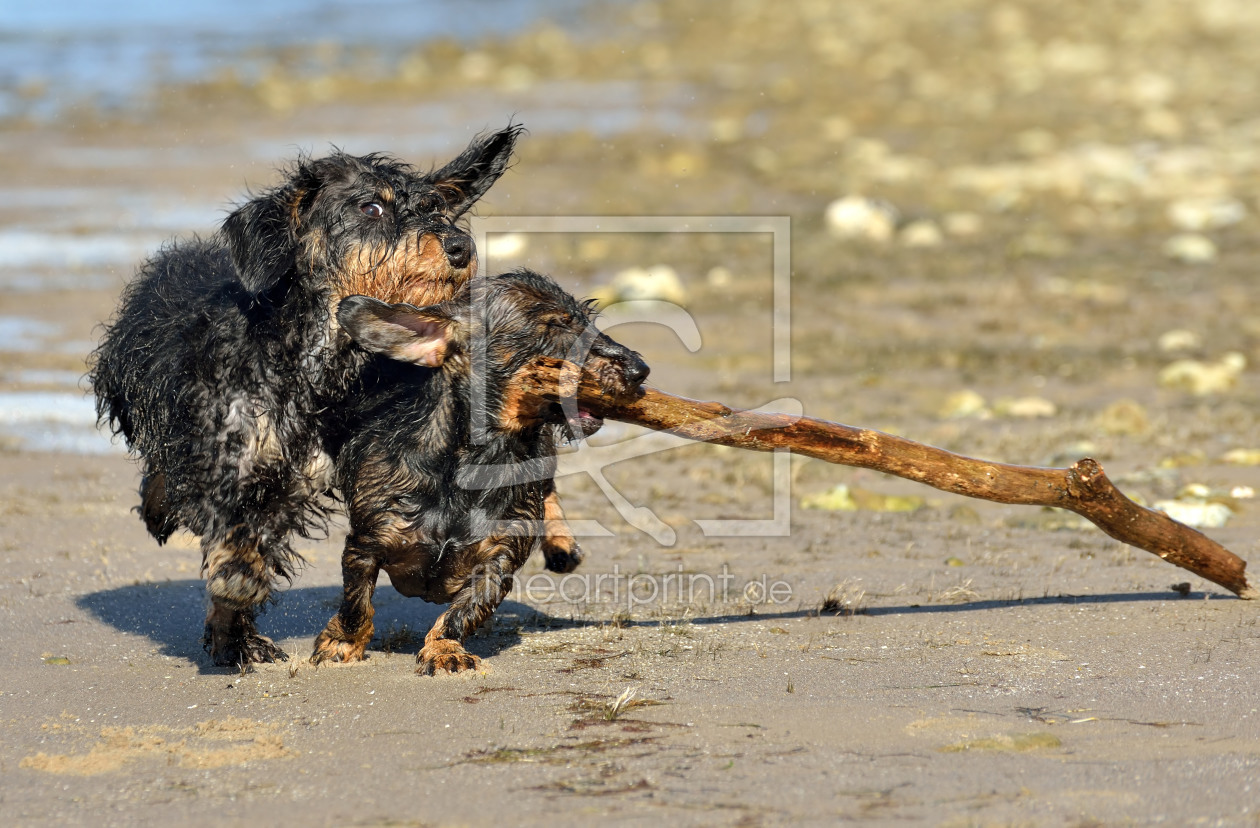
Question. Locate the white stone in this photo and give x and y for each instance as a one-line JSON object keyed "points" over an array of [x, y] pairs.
{"points": [[1190, 248], [1196, 513], [963, 224], [505, 245], [1202, 378], [1179, 340], [1028, 408], [966, 403], [659, 282], [857, 217], [719, 277], [1194, 214], [922, 233]]}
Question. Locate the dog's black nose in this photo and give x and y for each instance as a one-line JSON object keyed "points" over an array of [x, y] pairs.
{"points": [[458, 250], [636, 371]]}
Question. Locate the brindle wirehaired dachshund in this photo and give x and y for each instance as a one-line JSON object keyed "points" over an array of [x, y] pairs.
{"points": [[445, 476], [223, 372]]}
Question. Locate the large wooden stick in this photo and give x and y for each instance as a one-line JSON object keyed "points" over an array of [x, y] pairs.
{"points": [[1082, 488]]}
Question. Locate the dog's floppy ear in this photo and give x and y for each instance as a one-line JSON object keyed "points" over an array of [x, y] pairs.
{"points": [[467, 178], [262, 238], [262, 234], [399, 331]]}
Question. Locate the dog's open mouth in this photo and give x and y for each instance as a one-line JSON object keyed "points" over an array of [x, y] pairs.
{"points": [[581, 422], [588, 422]]}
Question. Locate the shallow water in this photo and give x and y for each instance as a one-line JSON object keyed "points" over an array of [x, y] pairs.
{"points": [[20, 334], [111, 54], [102, 203], [51, 412], [67, 235], [32, 248], [52, 421]]}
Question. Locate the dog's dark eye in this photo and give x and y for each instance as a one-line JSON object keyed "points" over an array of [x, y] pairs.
{"points": [[372, 210], [429, 203]]}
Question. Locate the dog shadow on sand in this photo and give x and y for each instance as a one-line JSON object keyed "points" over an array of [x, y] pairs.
{"points": [[172, 614]]}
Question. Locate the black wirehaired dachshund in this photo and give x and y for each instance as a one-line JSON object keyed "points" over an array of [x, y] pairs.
{"points": [[445, 474], [223, 370]]}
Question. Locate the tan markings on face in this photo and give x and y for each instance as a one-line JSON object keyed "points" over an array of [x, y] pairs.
{"points": [[453, 193], [415, 271], [314, 247]]}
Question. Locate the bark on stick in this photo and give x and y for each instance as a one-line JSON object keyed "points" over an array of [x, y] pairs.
{"points": [[1082, 488]]}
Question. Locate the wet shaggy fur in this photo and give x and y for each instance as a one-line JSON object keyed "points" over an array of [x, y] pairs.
{"points": [[446, 478], [223, 369]]}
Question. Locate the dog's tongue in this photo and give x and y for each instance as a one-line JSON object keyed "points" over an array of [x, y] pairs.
{"points": [[586, 423]]}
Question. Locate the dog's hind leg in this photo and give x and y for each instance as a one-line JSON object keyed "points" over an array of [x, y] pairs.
{"points": [[350, 630], [238, 581], [560, 548]]}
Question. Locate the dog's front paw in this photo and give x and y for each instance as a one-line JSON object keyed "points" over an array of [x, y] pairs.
{"points": [[562, 558], [445, 655], [337, 644], [329, 648], [232, 640], [250, 648], [259, 649]]}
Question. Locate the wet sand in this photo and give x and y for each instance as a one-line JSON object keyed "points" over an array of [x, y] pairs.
{"points": [[981, 664]]}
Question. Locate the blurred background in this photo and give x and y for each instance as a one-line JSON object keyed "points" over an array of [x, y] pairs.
{"points": [[1021, 230]]}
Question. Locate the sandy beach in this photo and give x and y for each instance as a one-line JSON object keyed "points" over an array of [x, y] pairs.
{"points": [[1021, 233]]}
